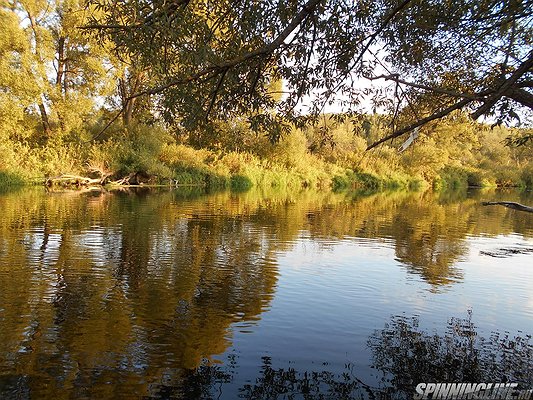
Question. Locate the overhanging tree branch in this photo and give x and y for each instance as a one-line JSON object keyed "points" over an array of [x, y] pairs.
{"points": [[224, 67], [422, 121], [307, 9], [215, 93], [168, 10], [520, 96], [506, 89], [526, 66], [366, 47], [441, 55], [396, 78]]}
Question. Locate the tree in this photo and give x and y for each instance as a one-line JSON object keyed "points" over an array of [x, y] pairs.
{"points": [[473, 55], [50, 68], [19, 87], [215, 59]]}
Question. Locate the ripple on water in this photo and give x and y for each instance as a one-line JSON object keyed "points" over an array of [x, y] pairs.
{"points": [[139, 284]]}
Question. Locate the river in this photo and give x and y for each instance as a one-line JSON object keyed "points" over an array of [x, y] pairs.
{"points": [[186, 294]]}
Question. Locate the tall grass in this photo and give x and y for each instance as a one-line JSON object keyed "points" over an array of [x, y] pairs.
{"points": [[9, 180], [301, 159]]}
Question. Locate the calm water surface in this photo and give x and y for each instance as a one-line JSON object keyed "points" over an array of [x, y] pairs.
{"points": [[182, 294]]}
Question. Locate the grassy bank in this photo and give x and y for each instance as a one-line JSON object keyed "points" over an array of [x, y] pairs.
{"points": [[152, 155], [460, 177], [9, 180], [177, 165]]}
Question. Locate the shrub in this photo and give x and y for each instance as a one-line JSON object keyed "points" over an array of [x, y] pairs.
{"points": [[8, 179], [526, 177], [240, 183]]}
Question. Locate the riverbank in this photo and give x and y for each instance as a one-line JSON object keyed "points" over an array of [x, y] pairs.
{"points": [[180, 165], [174, 164], [151, 156]]}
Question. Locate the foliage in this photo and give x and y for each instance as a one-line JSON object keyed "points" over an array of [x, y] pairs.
{"points": [[8, 180], [61, 88], [294, 161], [219, 59]]}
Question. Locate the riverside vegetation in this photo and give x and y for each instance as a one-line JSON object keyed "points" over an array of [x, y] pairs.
{"points": [[61, 89], [452, 153]]}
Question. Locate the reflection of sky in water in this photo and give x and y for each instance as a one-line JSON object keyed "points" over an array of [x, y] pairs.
{"points": [[331, 296], [144, 286]]}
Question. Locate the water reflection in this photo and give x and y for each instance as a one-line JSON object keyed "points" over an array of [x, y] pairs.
{"points": [[141, 288], [403, 355], [122, 286], [406, 355]]}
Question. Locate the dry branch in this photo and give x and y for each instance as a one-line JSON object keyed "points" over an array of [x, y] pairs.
{"points": [[72, 180], [67, 180], [509, 204]]}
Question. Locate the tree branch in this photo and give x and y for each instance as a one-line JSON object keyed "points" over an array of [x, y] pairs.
{"points": [[119, 113], [366, 47], [521, 96], [422, 121], [504, 87], [383, 25], [168, 10], [215, 93], [526, 83], [396, 78], [308, 8]]}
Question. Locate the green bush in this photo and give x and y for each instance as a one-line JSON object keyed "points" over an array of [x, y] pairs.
{"points": [[526, 178], [507, 177], [451, 178], [474, 178], [240, 183], [8, 180]]}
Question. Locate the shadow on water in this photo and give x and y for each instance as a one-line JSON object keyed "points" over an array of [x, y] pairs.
{"points": [[106, 295]]}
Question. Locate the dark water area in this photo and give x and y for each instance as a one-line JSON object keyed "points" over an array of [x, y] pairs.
{"points": [[182, 294]]}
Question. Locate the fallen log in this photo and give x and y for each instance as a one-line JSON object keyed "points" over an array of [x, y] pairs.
{"points": [[509, 204], [72, 180], [77, 181]]}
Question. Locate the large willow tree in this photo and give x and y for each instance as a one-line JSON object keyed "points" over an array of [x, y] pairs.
{"points": [[215, 59]]}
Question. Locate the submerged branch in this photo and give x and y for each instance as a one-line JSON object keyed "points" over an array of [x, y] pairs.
{"points": [[509, 204]]}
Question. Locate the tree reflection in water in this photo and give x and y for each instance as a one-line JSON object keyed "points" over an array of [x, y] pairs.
{"points": [[407, 355], [403, 355], [136, 288]]}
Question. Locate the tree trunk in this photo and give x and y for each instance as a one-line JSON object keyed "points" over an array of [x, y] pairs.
{"points": [[44, 119], [61, 81], [60, 63], [128, 112], [42, 109]]}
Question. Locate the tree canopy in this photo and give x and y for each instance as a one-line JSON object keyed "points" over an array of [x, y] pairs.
{"points": [[217, 59]]}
